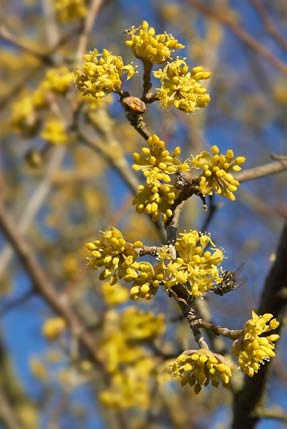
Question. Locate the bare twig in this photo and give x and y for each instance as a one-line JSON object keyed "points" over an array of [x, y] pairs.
{"points": [[242, 34], [20, 44], [269, 26], [66, 38], [43, 285], [34, 203], [7, 415], [271, 414], [88, 26], [261, 171], [233, 334]]}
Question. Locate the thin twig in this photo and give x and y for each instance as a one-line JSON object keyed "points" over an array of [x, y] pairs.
{"points": [[7, 414], [20, 44], [261, 171], [242, 34], [35, 202], [88, 26], [66, 38], [269, 26], [44, 286]]}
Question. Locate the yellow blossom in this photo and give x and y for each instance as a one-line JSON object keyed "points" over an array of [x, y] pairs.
{"points": [[54, 132], [156, 155], [145, 278], [68, 10], [114, 294], [217, 172], [113, 254], [155, 199], [58, 80], [137, 324], [53, 328], [201, 367], [24, 117], [38, 369], [254, 347], [157, 163], [193, 265], [151, 47], [101, 74], [131, 387], [181, 88]]}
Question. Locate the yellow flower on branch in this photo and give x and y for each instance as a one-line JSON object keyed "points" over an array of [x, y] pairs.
{"points": [[155, 199], [157, 164], [53, 328], [68, 10], [54, 132], [201, 367], [101, 74], [156, 155], [195, 265], [145, 278], [138, 324], [58, 80], [113, 254], [217, 172], [114, 294], [151, 47], [256, 346], [181, 88]]}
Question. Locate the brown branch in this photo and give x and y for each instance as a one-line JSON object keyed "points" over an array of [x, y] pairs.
{"points": [[271, 414], [269, 26], [20, 44], [44, 286], [7, 414], [242, 34], [273, 300], [88, 26], [66, 38], [35, 202], [233, 334], [261, 171]]}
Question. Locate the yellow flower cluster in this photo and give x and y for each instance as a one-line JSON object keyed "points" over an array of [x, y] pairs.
{"points": [[194, 265], [145, 279], [200, 367], [157, 195], [216, 172], [137, 324], [68, 10], [254, 347], [129, 364], [58, 80], [54, 132], [25, 118], [181, 88], [151, 47], [157, 157], [114, 294], [130, 388], [101, 74], [113, 254], [53, 328]]}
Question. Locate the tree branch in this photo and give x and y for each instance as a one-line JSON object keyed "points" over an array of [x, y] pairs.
{"points": [[59, 303], [242, 34]]}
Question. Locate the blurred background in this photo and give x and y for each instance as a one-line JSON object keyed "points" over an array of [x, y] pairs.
{"points": [[59, 196]]}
